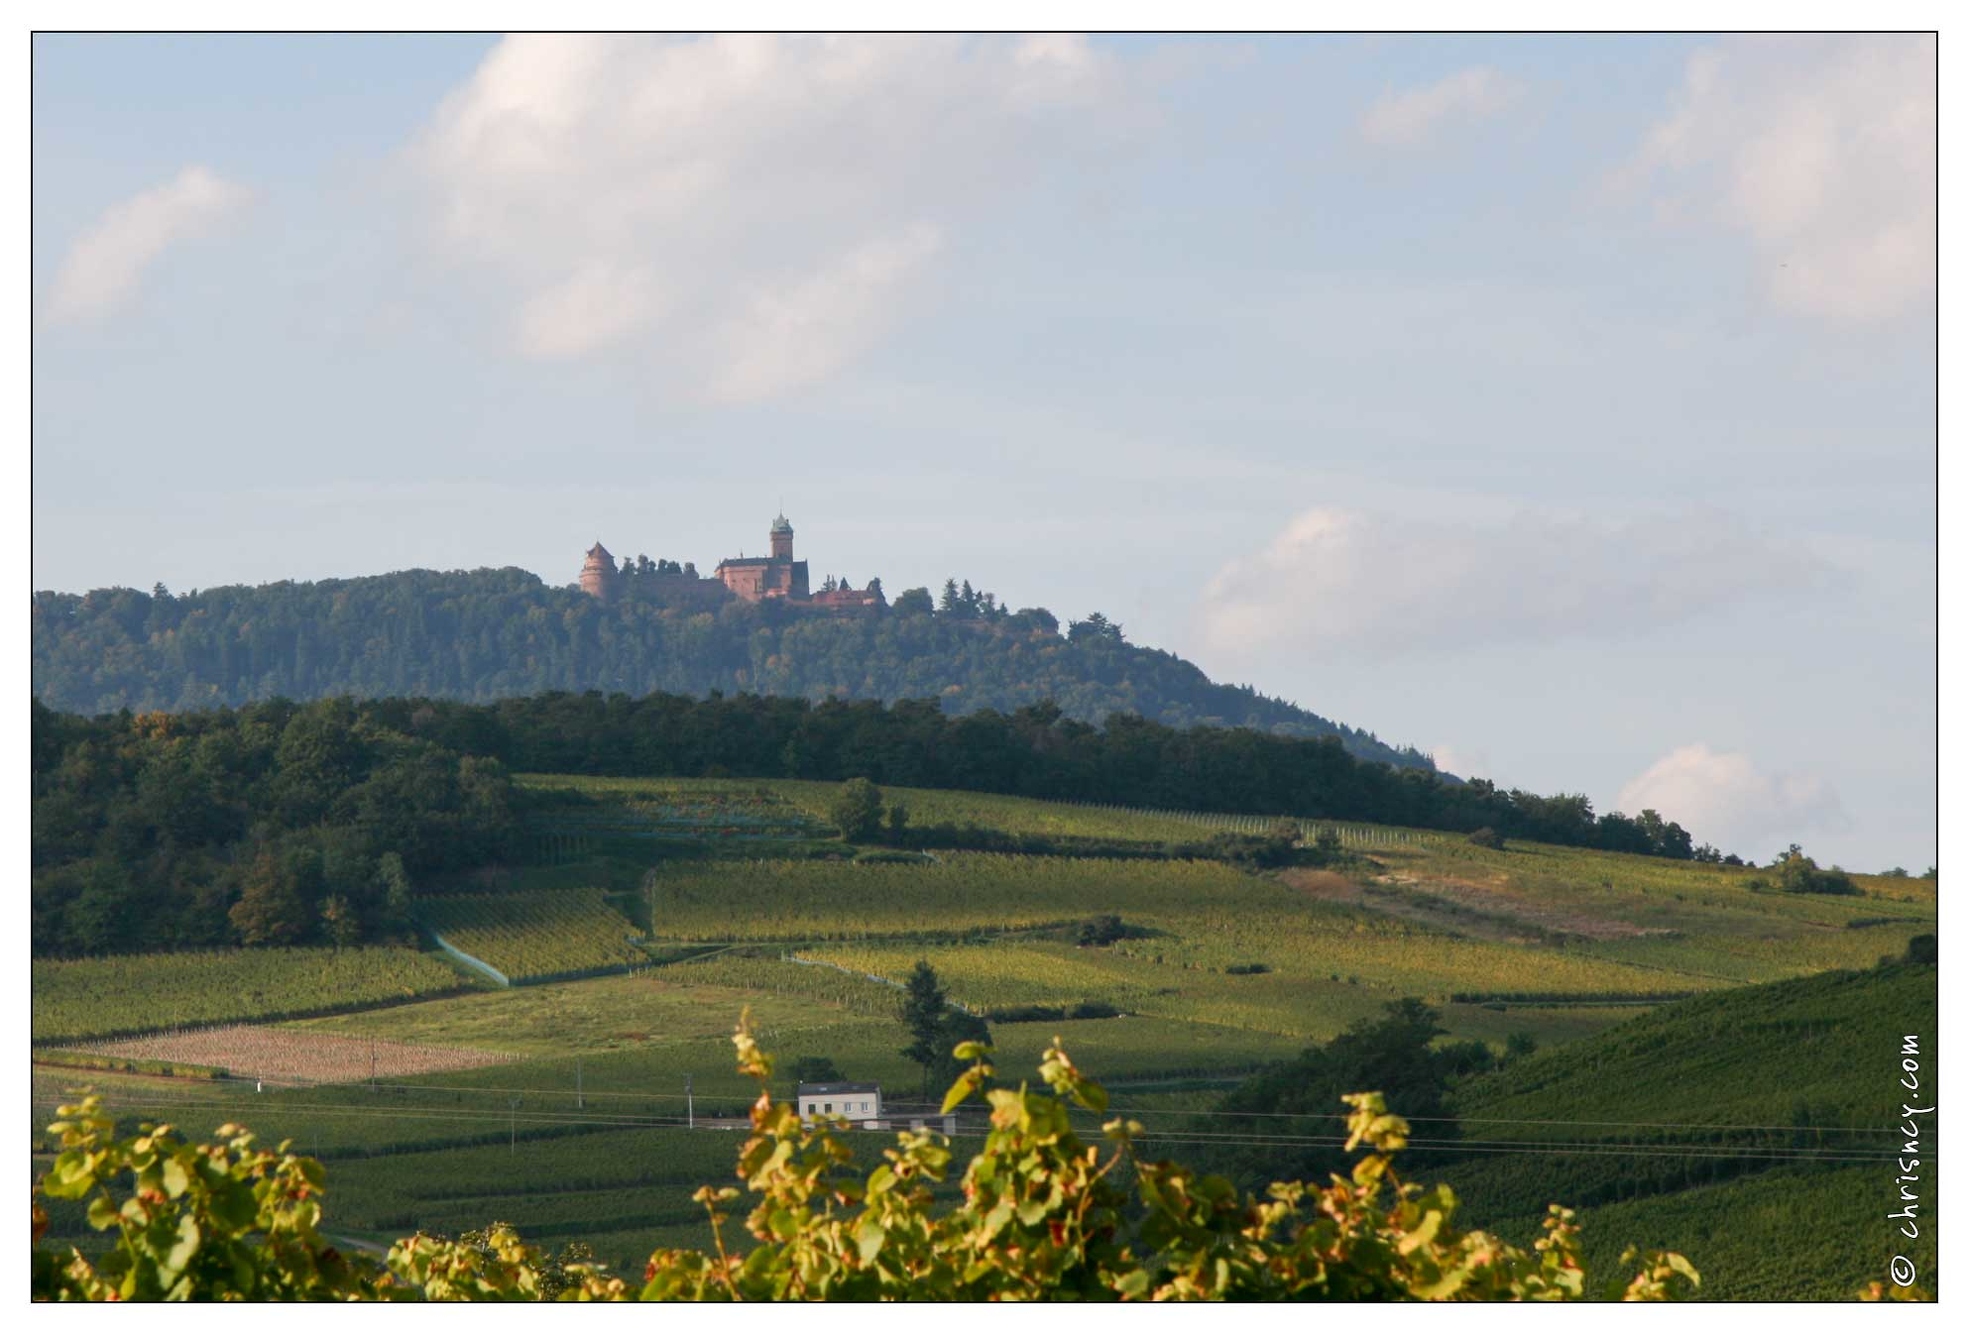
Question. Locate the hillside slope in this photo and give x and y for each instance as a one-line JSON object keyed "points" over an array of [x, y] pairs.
{"points": [[1754, 1125], [482, 635]]}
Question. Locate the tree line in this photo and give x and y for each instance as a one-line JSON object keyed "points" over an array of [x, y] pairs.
{"points": [[1035, 751], [483, 635]]}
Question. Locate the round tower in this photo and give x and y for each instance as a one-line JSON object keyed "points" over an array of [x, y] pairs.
{"points": [[782, 536], [598, 573]]}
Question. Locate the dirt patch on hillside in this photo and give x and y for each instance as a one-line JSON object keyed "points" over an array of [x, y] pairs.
{"points": [[1329, 886], [1493, 903], [1461, 907], [1389, 898]]}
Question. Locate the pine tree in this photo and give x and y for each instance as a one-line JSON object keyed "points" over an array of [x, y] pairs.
{"points": [[923, 1006]]}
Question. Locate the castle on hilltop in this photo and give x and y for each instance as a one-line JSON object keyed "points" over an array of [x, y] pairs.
{"points": [[756, 578], [774, 578]]}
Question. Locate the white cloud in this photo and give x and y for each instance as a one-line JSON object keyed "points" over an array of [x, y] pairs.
{"points": [[1337, 581], [1723, 798], [107, 262], [745, 214], [1820, 151], [592, 307], [1412, 117], [785, 339]]}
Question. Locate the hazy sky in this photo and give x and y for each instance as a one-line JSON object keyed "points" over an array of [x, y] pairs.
{"points": [[1565, 407]]}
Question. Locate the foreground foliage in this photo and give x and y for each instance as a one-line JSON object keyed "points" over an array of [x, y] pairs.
{"points": [[1043, 1216]]}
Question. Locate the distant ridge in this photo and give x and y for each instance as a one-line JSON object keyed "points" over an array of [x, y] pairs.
{"points": [[487, 634]]}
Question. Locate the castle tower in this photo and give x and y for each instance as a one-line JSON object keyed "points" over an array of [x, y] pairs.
{"points": [[598, 573], [782, 539]]}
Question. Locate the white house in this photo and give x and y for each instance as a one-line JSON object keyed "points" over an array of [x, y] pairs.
{"points": [[855, 1102]]}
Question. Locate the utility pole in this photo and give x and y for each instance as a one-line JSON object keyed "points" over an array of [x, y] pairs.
{"points": [[690, 1107], [513, 1110]]}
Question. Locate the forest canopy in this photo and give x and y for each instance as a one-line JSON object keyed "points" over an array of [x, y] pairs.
{"points": [[281, 824], [483, 635]]}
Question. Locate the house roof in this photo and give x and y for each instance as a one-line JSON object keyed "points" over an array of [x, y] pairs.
{"points": [[821, 1090]]}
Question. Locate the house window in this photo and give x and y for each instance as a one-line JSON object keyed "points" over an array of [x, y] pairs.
{"points": [[828, 1107]]}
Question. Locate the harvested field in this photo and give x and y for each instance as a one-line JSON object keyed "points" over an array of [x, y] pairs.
{"points": [[295, 1056]]}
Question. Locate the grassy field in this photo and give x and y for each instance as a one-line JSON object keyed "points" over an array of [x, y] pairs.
{"points": [[1302, 997], [599, 1015], [728, 809], [136, 993]]}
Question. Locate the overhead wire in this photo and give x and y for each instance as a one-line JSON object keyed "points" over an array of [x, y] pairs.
{"points": [[703, 1095], [1177, 1136]]}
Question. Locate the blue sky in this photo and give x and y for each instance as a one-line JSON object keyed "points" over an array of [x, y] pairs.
{"points": [[1562, 406]]}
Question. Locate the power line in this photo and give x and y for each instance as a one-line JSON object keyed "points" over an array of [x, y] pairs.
{"points": [[1504, 1120], [1178, 1137], [456, 1089]]}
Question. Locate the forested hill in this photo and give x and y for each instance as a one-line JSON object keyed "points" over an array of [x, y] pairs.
{"points": [[481, 635]]}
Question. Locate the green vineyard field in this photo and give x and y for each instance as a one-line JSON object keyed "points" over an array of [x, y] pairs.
{"points": [[535, 936], [959, 893], [136, 993]]}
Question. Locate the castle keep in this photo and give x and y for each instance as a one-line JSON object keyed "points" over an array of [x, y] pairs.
{"points": [[756, 578], [777, 577]]}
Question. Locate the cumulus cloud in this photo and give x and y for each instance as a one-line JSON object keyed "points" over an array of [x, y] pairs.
{"points": [[1413, 117], [1820, 152], [1338, 580], [1723, 798], [746, 214], [107, 262], [784, 338], [593, 306]]}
